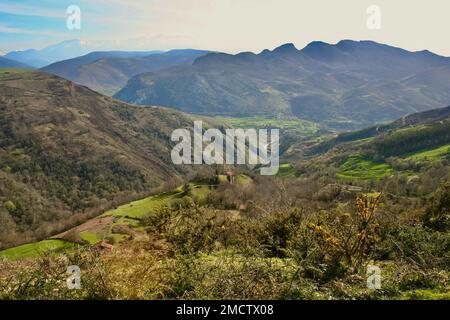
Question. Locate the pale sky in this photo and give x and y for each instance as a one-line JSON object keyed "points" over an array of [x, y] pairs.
{"points": [[224, 25]]}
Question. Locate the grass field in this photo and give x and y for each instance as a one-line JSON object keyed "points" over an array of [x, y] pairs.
{"points": [[129, 214], [297, 126], [139, 208], [430, 155], [35, 249], [356, 167], [90, 237]]}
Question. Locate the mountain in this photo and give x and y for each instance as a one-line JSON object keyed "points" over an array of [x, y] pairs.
{"points": [[67, 152], [2, 53], [40, 58], [8, 63], [107, 72], [351, 84]]}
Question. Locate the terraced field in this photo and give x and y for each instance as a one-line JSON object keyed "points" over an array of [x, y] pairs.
{"points": [[356, 167]]}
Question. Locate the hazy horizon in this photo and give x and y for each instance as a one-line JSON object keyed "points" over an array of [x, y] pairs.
{"points": [[227, 25]]}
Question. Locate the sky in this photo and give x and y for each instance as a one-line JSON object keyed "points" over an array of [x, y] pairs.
{"points": [[224, 25]]}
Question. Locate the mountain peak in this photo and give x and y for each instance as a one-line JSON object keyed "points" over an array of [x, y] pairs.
{"points": [[322, 51], [317, 45], [286, 48]]}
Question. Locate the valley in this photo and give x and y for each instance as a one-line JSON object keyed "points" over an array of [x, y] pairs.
{"points": [[192, 240], [224, 157]]}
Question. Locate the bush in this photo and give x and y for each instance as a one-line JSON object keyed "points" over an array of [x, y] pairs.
{"points": [[437, 214]]}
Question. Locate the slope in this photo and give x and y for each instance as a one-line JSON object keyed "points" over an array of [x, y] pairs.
{"points": [[67, 153]]}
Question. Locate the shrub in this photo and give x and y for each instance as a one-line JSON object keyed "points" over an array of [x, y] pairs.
{"points": [[437, 214], [345, 241]]}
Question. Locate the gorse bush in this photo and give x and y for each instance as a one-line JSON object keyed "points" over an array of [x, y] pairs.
{"points": [[346, 240], [437, 214], [188, 228]]}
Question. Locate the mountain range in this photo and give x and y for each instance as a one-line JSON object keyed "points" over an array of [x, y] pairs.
{"points": [[351, 84], [61, 51], [109, 71]]}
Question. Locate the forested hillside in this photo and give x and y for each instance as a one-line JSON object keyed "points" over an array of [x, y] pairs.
{"points": [[67, 153]]}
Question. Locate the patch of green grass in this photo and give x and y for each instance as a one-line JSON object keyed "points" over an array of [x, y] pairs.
{"points": [[425, 295], [297, 126], [31, 250], [91, 237], [199, 191], [140, 208], [223, 178], [430, 155], [356, 167], [286, 170], [244, 179]]}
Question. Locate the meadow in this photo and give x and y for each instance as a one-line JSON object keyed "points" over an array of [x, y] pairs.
{"points": [[357, 167]]}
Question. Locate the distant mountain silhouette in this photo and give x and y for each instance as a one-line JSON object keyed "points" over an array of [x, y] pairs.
{"points": [[40, 58], [9, 63], [109, 71]]}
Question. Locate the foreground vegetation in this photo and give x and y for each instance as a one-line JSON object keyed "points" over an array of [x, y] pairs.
{"points": [[272, 238]]}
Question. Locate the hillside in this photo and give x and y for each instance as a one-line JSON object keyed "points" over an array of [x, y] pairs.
{"points": [[414, 144], [415, 124], [308, 233], [107, 72], [67, 152], [343, 86]]}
